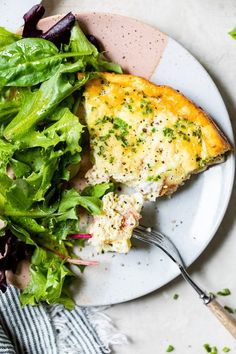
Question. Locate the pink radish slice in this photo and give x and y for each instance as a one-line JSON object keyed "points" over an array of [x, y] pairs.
{"points": [[81, 261], [78, 236], [73, 260]]}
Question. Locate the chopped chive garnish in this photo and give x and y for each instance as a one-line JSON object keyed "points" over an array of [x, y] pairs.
{"points": [[207, 347], [170, 349], [168, 132], [229, 309], [224, 292], [226, 349], [175, 296]]}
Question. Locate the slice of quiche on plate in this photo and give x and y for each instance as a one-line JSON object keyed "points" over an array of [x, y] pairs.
{"points": [[148, 137], [112, 230]]}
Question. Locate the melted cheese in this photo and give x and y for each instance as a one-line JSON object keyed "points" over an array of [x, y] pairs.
{"points": [[146, 136], [113, 229]]}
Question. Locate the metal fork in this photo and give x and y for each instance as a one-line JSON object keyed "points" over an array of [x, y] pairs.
{"points": [[155, 238]]}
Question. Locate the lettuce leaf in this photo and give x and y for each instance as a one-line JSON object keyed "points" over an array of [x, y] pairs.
{"points": [[79, 42], [40, 140], [49, 278], [7, 37], [41, 103], [98, 190], [10, 103], [81, 45], [30, 61]]}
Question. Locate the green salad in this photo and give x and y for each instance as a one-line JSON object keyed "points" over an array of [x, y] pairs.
{"points": [[41, 139]]}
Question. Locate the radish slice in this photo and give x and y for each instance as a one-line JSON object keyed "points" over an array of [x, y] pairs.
{"points": [[78, 236], [81, 261], [73, 260]]}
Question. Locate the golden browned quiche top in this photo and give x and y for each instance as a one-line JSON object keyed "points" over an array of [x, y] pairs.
{"points": [[146, 136]]}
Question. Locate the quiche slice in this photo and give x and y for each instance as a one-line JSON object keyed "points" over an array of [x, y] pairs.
{"points": [[113, 228], [146, 136]]}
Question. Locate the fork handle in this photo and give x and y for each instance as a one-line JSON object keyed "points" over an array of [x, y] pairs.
{"points": [[223, 316]]}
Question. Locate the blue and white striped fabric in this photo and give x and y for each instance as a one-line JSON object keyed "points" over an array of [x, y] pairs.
{"points": [[45, 329]]}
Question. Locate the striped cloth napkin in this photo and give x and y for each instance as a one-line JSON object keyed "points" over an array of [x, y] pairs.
{"points": [[52, 329]]}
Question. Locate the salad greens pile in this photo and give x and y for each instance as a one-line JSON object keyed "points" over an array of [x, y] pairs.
{"points": [[41, 138]]}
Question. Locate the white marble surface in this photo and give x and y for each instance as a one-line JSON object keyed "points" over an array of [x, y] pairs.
{"points": [[157, 320]]}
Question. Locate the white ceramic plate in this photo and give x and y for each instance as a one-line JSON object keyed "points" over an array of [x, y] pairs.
{"points": [[191, 217]]}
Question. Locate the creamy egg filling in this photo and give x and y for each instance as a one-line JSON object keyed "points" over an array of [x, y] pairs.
{"points": [[112, 230]]}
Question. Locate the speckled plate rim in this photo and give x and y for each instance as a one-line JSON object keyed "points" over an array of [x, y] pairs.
{"points": [[230, 162]]}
